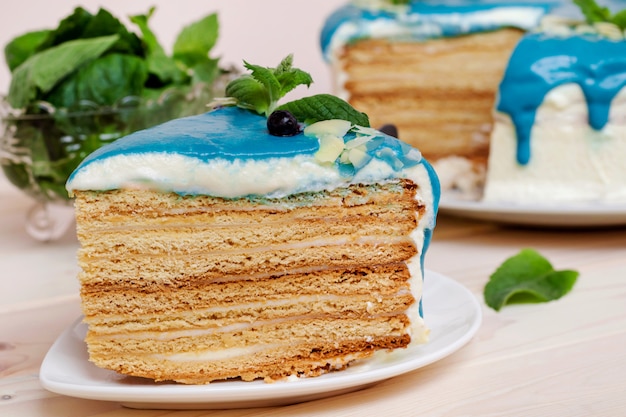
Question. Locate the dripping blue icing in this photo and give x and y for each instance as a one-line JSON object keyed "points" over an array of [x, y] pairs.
{"points": [[428, 19], [428, 231], [541, 62]]}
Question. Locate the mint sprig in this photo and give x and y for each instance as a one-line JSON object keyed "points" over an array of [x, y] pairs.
{"points": [[261, 90], [527, 277], [594, 13]]}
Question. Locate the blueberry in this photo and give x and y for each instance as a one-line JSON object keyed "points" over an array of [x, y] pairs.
{"points": [[282, 123], [389, 129]]}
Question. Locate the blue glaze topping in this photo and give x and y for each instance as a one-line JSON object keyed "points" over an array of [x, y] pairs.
{"points": [[202, 137], [429, 19], [231, 133], [542, 62]]}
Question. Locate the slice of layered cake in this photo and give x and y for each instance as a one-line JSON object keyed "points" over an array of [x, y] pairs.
{"points": [[236, 245], [431, 68], [560, 132]]}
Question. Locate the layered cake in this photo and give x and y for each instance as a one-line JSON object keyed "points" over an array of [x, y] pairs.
{"points": [[212, 249], [432, 69], [560, 131]]}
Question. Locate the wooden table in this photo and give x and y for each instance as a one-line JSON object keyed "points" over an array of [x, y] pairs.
{"points": [[563, 358]]}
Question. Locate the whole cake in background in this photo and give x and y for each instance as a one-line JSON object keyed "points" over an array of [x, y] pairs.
{"points": [[253, 241], [432, 69], [511, 101], [560, 126]]}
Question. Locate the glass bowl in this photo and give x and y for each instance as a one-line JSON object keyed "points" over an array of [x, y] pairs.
{"points": [[42, 145]]}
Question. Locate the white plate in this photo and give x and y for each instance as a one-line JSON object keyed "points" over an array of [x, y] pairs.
{"points": [[561, 215], [451, 311]]}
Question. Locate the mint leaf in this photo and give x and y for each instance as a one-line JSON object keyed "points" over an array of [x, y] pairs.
{"points": [[206, 71], [620, 19], [22, 47], [160, 65], [324, 107], [285, 65], [70, 28], [269, 86], [149, 38], [194, 42], [527, 277], [249, 93], [102, 81], [289, 77], [45, 69], [105, 24], [289, 81], [192, 48], [83, 25], [267, 78], [595, 13]]}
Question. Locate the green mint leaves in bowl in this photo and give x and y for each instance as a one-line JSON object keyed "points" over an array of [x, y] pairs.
{"points": [[92, 80]]}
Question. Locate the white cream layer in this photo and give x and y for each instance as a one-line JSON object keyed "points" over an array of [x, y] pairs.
{"points": [[274, 177]]}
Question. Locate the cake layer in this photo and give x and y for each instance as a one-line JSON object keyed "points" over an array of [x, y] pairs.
{"points": [[269, 361], [339, 231], [439, 93], [102, 209], [198, 288], [337, 253], [312, 329], [107, 300], [215, 320], [233, 230]]}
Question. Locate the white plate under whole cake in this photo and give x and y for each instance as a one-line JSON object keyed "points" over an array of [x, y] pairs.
{"points": [[565, 215], [451, 311]]}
